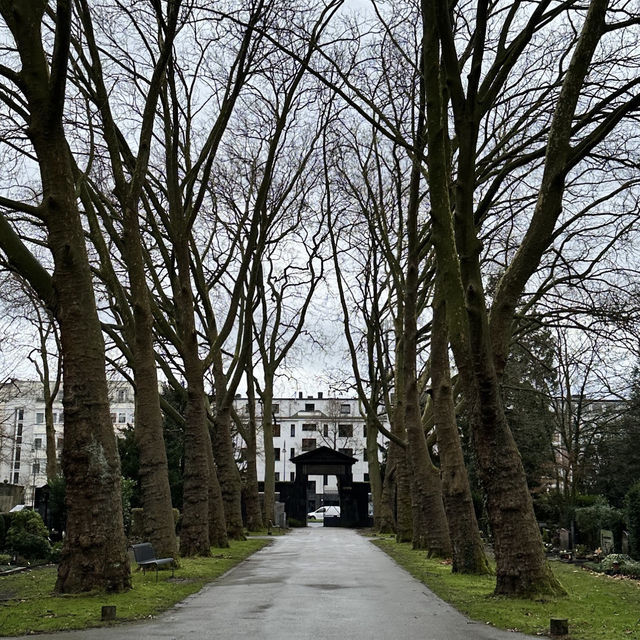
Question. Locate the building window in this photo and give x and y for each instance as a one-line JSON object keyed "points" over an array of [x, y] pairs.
{"points": [[293, 430], [277, 476], [276, 453], [310, 406], [348, 451], [18, 452], [16, 478], [16, 465], [345, 430], [276, 430], [122, 395], [19, 431], [364, 430], [292, 453], [345, 409], [275, 408], [37, 443], [35, 469], [366, 477], [114, 418], [292, 476], [20, 414], [309, 427], [122, 418], [325, 480], [39, 417], [308, 444], [365, 457]]}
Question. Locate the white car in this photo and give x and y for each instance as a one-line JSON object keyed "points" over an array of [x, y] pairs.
{"points": [[320, 513]]}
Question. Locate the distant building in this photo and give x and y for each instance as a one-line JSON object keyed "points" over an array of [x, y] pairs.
{"points": [[23, 456], [302, 424]]}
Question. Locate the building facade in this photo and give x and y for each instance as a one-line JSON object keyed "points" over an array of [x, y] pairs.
{"points": [[303, 423], [23, 454]]}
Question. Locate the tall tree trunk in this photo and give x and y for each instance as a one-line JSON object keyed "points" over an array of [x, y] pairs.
{"points": [[194, 536], [468, 550], [430, 530], [217, 522], [269, 455], [521, 565], [94, 552], [228, 473], [404, 515], [158, 524], [255, 521], [387, 521], [373, 462]]}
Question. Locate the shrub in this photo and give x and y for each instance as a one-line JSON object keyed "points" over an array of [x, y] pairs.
{"points": [[56, 551], [632, 512], [27, 536], [127, 488], [57, 508], [598, 516]]}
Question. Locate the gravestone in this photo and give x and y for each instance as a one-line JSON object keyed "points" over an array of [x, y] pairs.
{"points": [[606, 541], [563, 535], [280, 515]]}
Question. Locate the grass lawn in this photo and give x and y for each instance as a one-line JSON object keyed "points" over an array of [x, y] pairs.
{"points": [[598, 607], [27, 604]]}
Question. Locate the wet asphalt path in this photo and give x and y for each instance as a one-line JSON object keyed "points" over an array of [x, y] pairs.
{"points": [[314, 583]]}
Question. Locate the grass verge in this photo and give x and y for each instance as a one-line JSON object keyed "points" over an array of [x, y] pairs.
{"points": [[598, 607], [27, 604]]}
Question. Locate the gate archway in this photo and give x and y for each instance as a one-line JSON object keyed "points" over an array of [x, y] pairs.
{"points": [[324, 461]]}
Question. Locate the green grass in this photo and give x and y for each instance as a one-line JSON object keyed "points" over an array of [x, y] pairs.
{"points": [[27, 604], [598, 607]]}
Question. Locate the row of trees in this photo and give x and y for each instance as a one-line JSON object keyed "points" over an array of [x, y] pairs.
{"points": [[189, 185]]}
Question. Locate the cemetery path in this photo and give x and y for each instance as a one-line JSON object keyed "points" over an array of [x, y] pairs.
{"points": [[324, 583]]}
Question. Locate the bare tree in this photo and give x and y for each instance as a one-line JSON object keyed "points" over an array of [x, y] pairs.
{"points": [[94, 553]]}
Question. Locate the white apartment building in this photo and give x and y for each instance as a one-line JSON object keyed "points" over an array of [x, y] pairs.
{"points": [[23, 455], [304, 423]]}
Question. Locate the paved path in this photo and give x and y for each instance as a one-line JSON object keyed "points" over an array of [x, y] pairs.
{"points": [[314, 583]]}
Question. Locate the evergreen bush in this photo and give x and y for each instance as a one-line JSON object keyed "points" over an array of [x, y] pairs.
{"points": [[27, 536]]}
